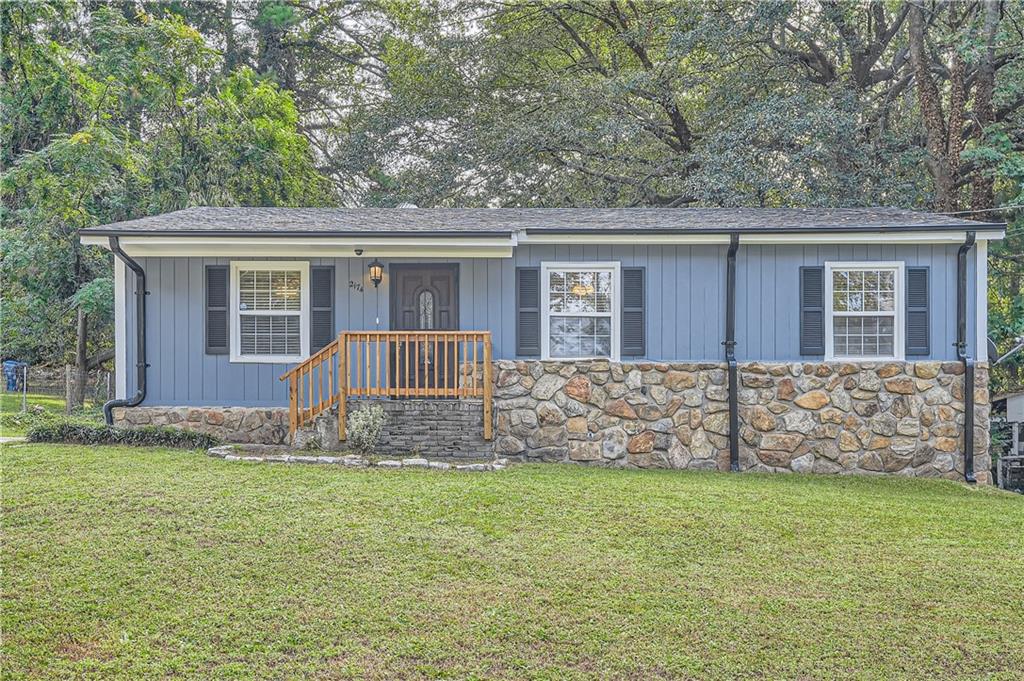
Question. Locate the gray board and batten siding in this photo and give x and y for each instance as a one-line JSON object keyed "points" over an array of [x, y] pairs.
{"points": [[685, 315]]}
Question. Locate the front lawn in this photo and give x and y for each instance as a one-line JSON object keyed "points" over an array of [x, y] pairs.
{"points": [[158, 563]]}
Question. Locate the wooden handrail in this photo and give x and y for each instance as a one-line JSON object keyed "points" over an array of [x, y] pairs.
{"points": [[392, 364]]}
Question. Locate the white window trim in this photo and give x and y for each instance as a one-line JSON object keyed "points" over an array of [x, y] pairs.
{"points": [[236, 328], [545, 300], [899, 318]]}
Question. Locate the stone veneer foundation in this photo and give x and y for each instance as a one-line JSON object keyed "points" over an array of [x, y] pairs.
{"points": [[902, 418], [230, 424]]}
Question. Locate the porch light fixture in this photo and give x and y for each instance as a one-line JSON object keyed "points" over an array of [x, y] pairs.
{"points": [[376, 272]]}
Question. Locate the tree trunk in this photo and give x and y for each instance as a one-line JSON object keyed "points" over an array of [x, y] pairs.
{"points": [[936, 134], [231, 59], [76, 389], [982, 190]]}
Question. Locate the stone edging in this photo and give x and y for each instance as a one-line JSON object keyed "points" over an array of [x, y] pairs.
{"points": [[230, 453]]}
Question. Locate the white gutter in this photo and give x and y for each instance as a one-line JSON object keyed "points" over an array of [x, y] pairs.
{"points": [[285, 246], [756, 238], [499, 246]]}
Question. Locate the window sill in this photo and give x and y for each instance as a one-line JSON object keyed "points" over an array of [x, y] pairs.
{"points": [[269, 359]]}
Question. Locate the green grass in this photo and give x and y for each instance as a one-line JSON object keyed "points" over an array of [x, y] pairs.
{"points": [[14, 423], [147, 563]]}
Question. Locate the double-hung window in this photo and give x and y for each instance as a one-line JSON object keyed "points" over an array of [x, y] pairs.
{"points": [[580, 310], [270, 312], [864, 310]]}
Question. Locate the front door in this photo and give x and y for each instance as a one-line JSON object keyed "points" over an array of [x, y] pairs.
{"points": [[424, 298]]}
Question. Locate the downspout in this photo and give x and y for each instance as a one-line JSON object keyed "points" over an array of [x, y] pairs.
{"points": [[140, 331], [730, 351], [963, 357]]}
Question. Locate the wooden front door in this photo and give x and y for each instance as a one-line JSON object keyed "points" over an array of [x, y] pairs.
{"points": [[423, 298]]}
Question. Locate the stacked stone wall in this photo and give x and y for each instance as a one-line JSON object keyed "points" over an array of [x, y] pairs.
{"points": [[902, 418], [230, 424], [432, 428]]}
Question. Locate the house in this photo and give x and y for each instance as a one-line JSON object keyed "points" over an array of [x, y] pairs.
{"points": [[823, 340]]}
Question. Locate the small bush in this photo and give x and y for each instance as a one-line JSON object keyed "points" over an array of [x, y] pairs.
{"points": [[363, 428], [151, 436]]}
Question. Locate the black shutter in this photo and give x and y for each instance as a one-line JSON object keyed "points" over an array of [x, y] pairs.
{"points": [[917, 311], [321, 307], [528, 311], [216, 309], [634, 320], [812, 310]]}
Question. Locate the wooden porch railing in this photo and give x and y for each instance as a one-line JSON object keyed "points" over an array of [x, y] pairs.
{"points": [[392, 364]]}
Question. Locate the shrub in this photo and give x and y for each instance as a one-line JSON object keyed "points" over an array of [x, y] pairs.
{"points": [[37, 416], [363, 428], [23, 420], [150, 436]]}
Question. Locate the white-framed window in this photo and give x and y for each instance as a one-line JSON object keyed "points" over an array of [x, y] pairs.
{"points": [[580, 310], [864, 310], [269, 311]]}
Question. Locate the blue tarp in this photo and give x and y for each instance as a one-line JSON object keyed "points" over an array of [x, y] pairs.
{"points": [[14, 373]]}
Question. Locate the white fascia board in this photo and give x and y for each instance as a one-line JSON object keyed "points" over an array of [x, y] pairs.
{"points": [[235, 247], [484, 247], [621, 238], [956, 237], [923, 237]]}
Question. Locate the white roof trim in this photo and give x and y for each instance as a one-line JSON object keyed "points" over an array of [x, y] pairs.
{"points": [[326, 247], [499, 246], [752, 238]]}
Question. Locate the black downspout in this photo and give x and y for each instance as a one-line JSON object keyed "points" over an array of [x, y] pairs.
{"points": [[961, 354], [140, 330], [730, 351]]}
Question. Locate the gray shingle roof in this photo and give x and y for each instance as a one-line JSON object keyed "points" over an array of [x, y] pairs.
{"points": [[464, 221]]}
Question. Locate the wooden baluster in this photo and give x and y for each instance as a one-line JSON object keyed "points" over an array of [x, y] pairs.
{"points": [[458, 366], [416, 367], [433, 391], [320, 385], [309, 388], [330, 376], [444, 374], [377, 359], [293, 404], [488, 397], [455, 363], [474, 367], [405, 367], [342, 383], [387, 364], [466, 339], [467, 377]]}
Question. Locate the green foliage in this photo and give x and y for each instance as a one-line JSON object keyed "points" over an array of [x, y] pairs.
{"points": [[96, 297], [69, 432], [16, 422], [118, 118], [112, 114]]}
